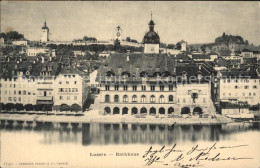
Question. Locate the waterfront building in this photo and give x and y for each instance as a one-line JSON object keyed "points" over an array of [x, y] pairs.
{"points": [[41, 81], [151, 83], [239, 86], [70, 87]]}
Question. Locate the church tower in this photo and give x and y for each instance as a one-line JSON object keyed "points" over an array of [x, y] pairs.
{"points": [[45, 33], [151, 40]]}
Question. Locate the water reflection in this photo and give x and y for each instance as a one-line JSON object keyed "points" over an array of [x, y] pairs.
{"points": [[98, 134]]}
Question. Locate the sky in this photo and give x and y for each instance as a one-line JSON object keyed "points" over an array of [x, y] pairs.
{"points": [[194, 22]]}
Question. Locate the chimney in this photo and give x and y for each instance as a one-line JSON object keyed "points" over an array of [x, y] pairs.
{"points": [[43, 60], [50, 59], [127, 58]]}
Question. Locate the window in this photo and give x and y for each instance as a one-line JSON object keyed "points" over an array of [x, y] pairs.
{"points": [[224, 81], [24, 92], [61, 97], [170, 87], [14, 85], [125, 87], [152, 99], [134, 87], [249, 94], [107, 98], [143, 99], [143, 87], [152, 88], [19, 92], [107, 87], [161, 88], [14, 91], [246, 87], [171, 98], [184, 100], [224, 94], [116, 98], [67, 82], [116, 87], [29, 93], [15, 99], [134, 98], [228, 81], [19, 99], [75, 97], [125, 98], [75, 82], [60, 82], [9, 98], [254, 94], [161, 99], [255, 87], [236, 87], [68, 97]]}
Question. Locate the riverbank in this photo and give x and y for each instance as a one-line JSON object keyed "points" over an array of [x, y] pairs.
{"points": [[93, 116]]}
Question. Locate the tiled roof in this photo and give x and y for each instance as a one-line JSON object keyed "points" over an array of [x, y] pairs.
{"points": [[9, 69], [246, 50], [200, 56], [239, 72], [137, 63]]}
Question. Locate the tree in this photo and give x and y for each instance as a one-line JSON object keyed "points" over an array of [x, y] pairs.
{"points": [[170, 46], [47, 108], [246, 43], [116, 45], [75, 107], [38, 107], [128, 39], [9, 106], [178, 46], [14, 35], [28, 107], [2, 106], [56, 108], [65, 107], [18, 106]]}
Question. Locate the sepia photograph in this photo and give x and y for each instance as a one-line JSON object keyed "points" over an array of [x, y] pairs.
{"points": [[130, 84]]}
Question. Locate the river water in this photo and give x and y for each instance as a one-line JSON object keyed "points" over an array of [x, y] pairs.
{"points": [[61, 145]]}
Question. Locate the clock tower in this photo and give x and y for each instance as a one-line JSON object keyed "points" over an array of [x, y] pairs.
{"points": [[118, 33]]}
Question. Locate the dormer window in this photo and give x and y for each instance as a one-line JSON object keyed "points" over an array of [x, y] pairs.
{"points": [[27, 72], [30, 67]]}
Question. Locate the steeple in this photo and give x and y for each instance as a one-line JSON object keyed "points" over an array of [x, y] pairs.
{"points": [[45, 26], [151, 23]]}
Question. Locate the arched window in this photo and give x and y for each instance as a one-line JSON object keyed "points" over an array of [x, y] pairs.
{"points": [[171, 98], [161, 99], [152, 99], [143, 99], [125, 98], [116, 98], [107, 98], [134, 98]]}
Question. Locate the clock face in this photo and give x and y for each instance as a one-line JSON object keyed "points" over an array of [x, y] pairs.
{"points": [[118, 34]]}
